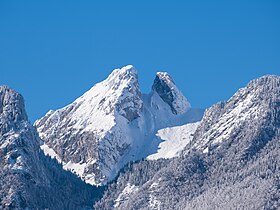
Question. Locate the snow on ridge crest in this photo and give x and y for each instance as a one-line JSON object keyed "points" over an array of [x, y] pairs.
{"points": [[165, 76], [118, 93], [107, 126], [128, 71]]}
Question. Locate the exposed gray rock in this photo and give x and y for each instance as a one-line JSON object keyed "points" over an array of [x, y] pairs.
{"points": [[93, 132], [165, 87], [232, 162], [29, 179], [113, 124]]}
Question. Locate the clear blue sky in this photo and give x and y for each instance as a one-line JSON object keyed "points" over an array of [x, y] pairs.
{"points": [[53, 51]]}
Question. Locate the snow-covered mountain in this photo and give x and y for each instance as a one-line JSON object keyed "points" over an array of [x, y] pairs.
{"points": [[228, 160], [232, 162], [114, 123], [249, 109], [29, 179]]}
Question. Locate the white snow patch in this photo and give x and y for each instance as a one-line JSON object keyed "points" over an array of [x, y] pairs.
{"points": [[206, 150], [124, 195], [154, 202], [174, 140], [10, 136], [50, 152], [76, 168], [18, 165]]}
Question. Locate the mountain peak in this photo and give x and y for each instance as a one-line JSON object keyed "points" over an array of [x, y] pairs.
{"points": [[111, 124], [12, 109], [267, 80], [129, 68], [124, 73], [28, 178], [165, 76], [93, 123], [256, 105], [166, 88], [124, 92]]}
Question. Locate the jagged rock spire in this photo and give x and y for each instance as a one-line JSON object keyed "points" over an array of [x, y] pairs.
{"points": [[165, 87]]}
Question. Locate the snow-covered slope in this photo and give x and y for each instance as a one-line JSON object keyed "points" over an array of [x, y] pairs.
{"points": [[92, 134], [232, 162], [174, 141], [124, 194], [112, 124], [244, 111]]}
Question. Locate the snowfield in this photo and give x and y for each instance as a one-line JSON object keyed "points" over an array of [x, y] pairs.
{"points": [[174, 140]]}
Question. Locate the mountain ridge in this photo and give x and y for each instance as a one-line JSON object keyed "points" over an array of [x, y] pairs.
{"points": [[29, 179], [229, 159], [113, 123], [236, 168]]}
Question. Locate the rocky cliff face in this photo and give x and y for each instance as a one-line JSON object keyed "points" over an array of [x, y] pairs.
{"points": [[28, 179], [11, 110], [230, 159], [165, 87], [112, 124]]}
